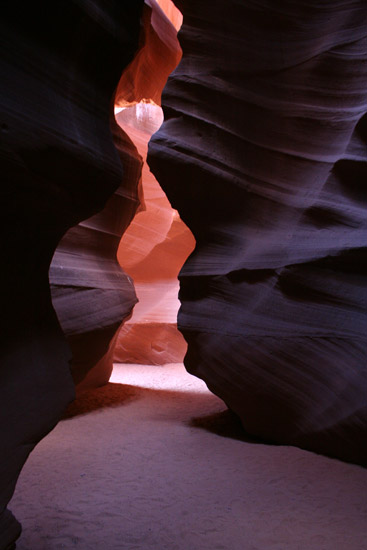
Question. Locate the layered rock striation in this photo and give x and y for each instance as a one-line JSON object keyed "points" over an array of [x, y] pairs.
{"points": [[60, 68], [91, 294], [263, 153]]}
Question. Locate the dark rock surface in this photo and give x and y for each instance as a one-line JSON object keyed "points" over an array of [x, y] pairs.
{"points": [[61, 64], [263, 153], [90, 292]]}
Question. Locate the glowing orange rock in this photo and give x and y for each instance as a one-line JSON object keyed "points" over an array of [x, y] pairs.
{"points": [[157, 242], [159, 54], [152, 251]]}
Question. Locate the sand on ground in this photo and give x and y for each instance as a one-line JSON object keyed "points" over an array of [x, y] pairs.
{"points": [[146, 463]]}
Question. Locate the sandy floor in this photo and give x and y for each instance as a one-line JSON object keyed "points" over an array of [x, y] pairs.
{"points": [[144, 463]]}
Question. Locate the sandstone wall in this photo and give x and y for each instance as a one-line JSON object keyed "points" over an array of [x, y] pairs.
{"points": [[60, 67], [263, 153], [157, 242]]}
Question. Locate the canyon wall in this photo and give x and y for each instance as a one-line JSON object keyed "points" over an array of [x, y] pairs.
{"points": [[157, 242], [263, 153], [90, 292], [152, 251], [60, 68]]}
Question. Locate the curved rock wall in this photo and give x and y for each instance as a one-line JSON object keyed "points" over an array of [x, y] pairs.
{"points": [[60, 67], [159, 54], [156, 243], [90, 292], [152, 251], [263, 153]]}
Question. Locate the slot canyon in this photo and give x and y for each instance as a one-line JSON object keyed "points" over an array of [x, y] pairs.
{"points": [[185, 182]]}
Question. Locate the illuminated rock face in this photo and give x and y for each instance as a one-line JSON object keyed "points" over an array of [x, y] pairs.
{"points": [[263, 153], [59, 166], [157, 242], [152, 251], [90, 292], [159, 53]]}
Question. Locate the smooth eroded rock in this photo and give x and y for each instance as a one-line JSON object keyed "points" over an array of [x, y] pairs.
{"points": [[263, 153], [60, 66]]}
